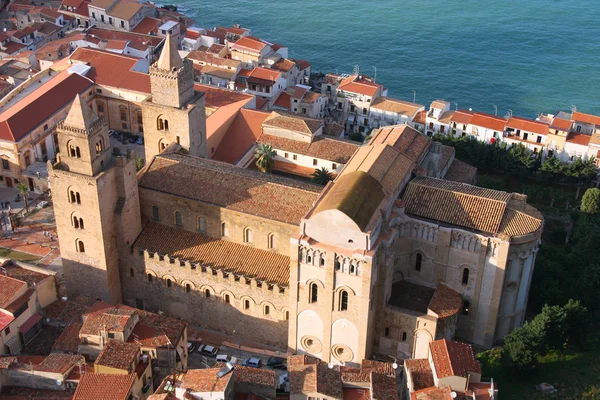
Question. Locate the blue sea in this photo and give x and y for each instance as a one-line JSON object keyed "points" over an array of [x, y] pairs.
{"points": [[528, 56]]}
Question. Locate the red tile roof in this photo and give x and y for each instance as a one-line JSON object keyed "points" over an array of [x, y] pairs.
{"points": [[113, 70], [9, 290], [579, 138], [147, 25], [241, 135], [5, 320], [283, 101], [205, 380], [527, 125], [137, 41], [30, 323], [586, 118], [104, 386], [264, 74], [420, 372], [488, 121], [445, 302], [68, 341], [432, 393], [322, 147], [155, 330], [249, 43], [283, 64], [462, 117], [310, 376], [13, 47], [59, 363], [119, 355], [359, 84], [403, 138], [452, 358], [561, 124], [216, 97]]}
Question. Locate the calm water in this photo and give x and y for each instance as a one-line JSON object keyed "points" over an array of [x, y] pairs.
{"points": [[527, 56]]}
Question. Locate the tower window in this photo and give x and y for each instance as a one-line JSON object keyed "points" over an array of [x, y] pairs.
{"points": [[80, 246], [201, 225], [343, 300], [404, 336], [465, 309], [418, 261], [160, 125], [155, 214], [287, 315], [227, 300], [314, 293], [271, 241], [337, 265], [386, 333], [267, 310], [169, 283], [99, 147], [188, 288], [207, 293], [224, 229], [166, 125], [77, 223], [322, 261], [178, 219], [246, 304], [248, 235], [465, 277], [352, 268], [150, 277]]}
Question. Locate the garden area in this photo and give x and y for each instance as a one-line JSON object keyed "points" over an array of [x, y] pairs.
{"points": [[560, 343]]}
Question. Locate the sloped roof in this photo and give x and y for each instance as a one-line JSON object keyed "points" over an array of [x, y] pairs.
{"points": [[389, 104], [119, 355], [488, 121], [244, 131], [324, 148], [80, 115], [445, 302], [452, 358], [250, 42], [104, 386], [586, 118], [205, 380], [403, 138], [169, 59], [9, 288], [420, 372], [527, 125], [297, 123], [462, 117]]}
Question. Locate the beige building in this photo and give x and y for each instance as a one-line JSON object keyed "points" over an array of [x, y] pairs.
{"points": [[322, 271]]}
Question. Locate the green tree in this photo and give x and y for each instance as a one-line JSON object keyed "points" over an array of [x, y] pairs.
{"points": [[357, 137], [523, 345], [139, 163], [265, 157], [321, 176], [23, 189], [590, 203]]}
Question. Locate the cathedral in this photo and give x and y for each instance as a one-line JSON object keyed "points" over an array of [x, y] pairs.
{"points": [[386, 258]]}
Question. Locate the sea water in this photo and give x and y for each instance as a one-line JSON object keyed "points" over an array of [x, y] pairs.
{"points": [[527, 56]]}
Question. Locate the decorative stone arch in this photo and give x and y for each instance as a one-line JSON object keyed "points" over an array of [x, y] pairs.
{"points": [[185, 283], [160, 123], [271, 308], [150, 273], [225, 293], [312, 286], [162, 145], [285, 313], [77, 221], [207, 291], [248, 235], [167, 278], [421, 340], [73, 150], [248, 303], [344, 340], [337, 300], [314, 280], [309, 337], [73, 195]]}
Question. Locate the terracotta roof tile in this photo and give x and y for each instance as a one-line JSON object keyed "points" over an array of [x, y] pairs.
{"points": [[204, 57], [249, 43], [488, 121], [439, 104], [119, 355], [124, 9], [452, 358], [462, 117], [403, 138], [561, 124], [216, 97], [283, 101], [586, 118], [383, 387], [324, 148], [308, 375], [112, 319], [359, 84], [520, 218], [331, 79], [292, 122], [104, 386], [579, 138], [311, 97], [253, 376], [420, 372], [445, 302], [59, 363], [9, 289], [389, 104], [432, 393], [68, 341], [230, 187], [244, 131], [5, 320], [527, 125], [283, 64], [461, 172], [205, 380], [218, 254], [136, 40], [264, 75], [216, 48], [147, 25]]}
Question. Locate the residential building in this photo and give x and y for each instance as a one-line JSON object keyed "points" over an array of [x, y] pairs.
{"points": [[437, 120], [93, 386], [213, 70], [116, 14], [41, 374], [78, 9], [529, 133], [301, 100], [252, 51], [262, 82], [386, 111], [585, 123], [486, 127]]}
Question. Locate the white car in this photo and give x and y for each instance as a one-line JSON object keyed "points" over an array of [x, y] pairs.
{"points": [[208, 350], [224, 358]]}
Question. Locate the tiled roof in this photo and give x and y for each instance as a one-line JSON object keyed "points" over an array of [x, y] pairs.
{"points": [[308, 375], [333, 129], [216, 97], [250, 42], [433, 393], [359, 84], [420, 372], [445, 302], [234, 188], [302, 64], [104, 386], [216, 48], [383, 387], [253, 376], [488, 121], [59, 363], [462, 172], [5, 320], [244, 131], [283, 65], [470, 207], [39, 105], [420, 117], [114, 70], [561, 124], [579, 138], [264, 75], [147, 25], [68, 341], [324, 148], [119, 355], [155, 330], [297, 92], [219, 72], [111, 319], [331, 79], [403, 138], [283, 101], [462, 117], [586, 118], [439, 104], [124, 9], [311, 97], [228, 256], [291, 122], [389, 104], [205, 380], [116, 44], [137, 41], [452, 358], [212, 59], [527, 125], [9, 289]]}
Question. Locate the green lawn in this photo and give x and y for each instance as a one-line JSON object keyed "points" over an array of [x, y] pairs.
{"points": [[19, 256], [575, 373]]}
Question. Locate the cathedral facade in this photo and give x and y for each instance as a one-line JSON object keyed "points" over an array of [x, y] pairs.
{"points": [[384, 259]]}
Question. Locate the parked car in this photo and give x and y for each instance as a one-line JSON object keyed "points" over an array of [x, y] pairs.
{"points": [[252, 362], [224, 358], [112, 132], [277, 362], [208, 350], [192, 346], [133, 138]]}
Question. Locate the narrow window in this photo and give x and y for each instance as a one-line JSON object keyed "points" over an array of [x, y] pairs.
{"points": [[314, 293], [418, 261], [248, 237], [387, 332], [77, 152], [169, 283], [337, 265], [166, 125], [178, 220], [188, 288], [160, 125], [227, 300], [123, 113], [267, 310], [322, 261], [155, 215], [404, 336], [150, 278], [246, 304], [80, 246], [309, 259], [224, 230], [271, 241], [131, 272], [465, 277], [201, 225], [207, 293], [287, 315], [315, 161], [343, 300], [75, 222], [77, 198], [80, 223], [352, 268], [465, 309]]}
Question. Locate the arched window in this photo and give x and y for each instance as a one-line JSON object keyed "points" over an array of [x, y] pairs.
{"points": [[248, 236], [465, 309], [161, 146], [72, 152], [207, 293], [337, 265], [160, 124], [465, 277], [287, 315], [80, 246], [201, 225], [418, 261], [322, 261], [352, 268], [178, 220], [169, 283], [155, 214], [309, 259], [224, 230], [80, 223], [27, 159], [150, 277], [386, 333], [267, 310], [99, 147], [343, 300], [246, 304], [131, 273], [271, 241], [314, 293], [188, 288], [404, 336], [77, 152], [76, 222], [166, 125], [227, 299]]}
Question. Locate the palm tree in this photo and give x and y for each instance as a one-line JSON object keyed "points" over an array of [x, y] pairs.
{"points": [[23, 189], [321, 176], [265, 157]]}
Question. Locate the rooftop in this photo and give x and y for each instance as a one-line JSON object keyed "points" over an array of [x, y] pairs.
{"points": [[234, 188], [527, 125], [205, 57], [217, 97], [10, 288], [586, 118], [104, 386], [420, 372], [242, 134], [106, 318], [403, 138], [304, 125], [310, 376], [432, 393], [59, 363], [488, 121], [389, 104], [359, 84], [206, 380], [250, 43], [119, 355], [452, 358], [324, 148], [462, 117]]}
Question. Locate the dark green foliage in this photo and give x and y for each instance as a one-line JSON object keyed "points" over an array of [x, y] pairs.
{"points": [[590, 202], [321, 176], [357, 137]]}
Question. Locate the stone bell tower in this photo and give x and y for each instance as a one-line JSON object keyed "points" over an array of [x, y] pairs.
{"points": [[96, 204], [175, 112]]}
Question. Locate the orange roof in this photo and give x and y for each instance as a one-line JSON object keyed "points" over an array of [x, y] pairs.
{"points": [[452, 358], [445, 302], [359, 84], [283, 65], [432, 393], [116, 44], [137, 40], [41, 104], [283, 101], [250, 42], [114, 70], [192, 34], [147, 25], [462, 117], [561, 124], [104, 386], [9, 288], [586, 118], [241, 135], [5, 320], [265, 74], [579, 138], [420, 372], [420, 118], [527, 125], [205, 380], [488, 121], [216, 97]]}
